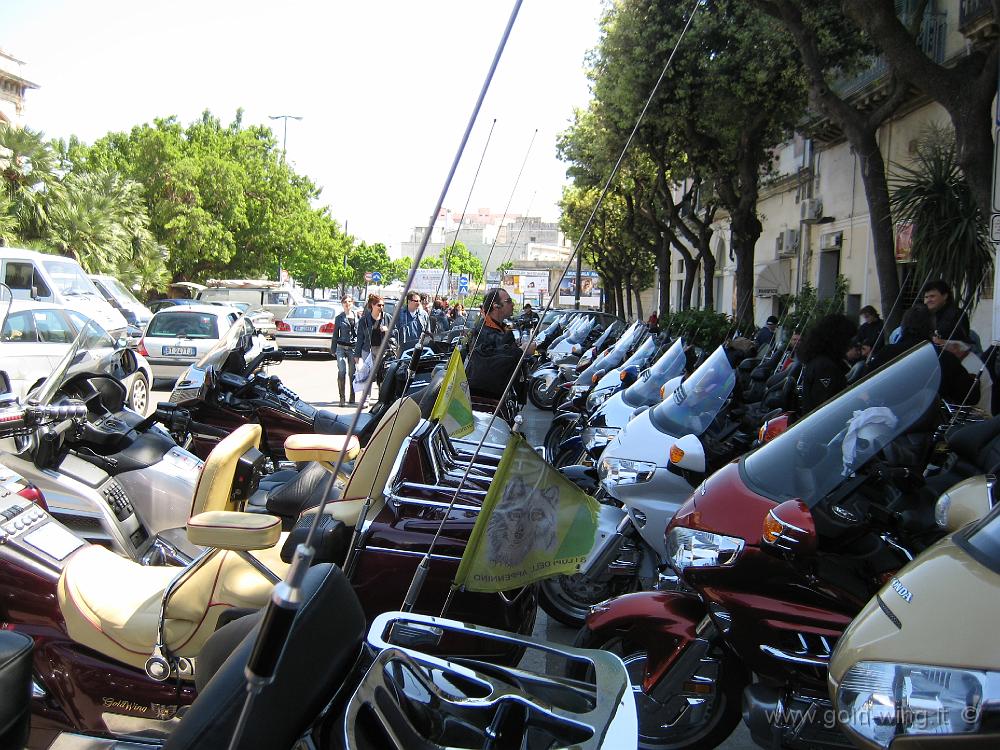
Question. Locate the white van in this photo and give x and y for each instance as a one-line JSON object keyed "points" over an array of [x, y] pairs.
{"points": [[53, 278], [121, 298]]}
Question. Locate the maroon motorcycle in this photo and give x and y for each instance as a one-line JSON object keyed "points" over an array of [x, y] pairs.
{"points": [[775, 554]]}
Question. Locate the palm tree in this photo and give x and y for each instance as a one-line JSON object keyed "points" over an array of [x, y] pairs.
{"points": [[27, 171], [950, 236]]}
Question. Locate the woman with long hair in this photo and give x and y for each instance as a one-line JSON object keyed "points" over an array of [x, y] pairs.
{"points": [[372, 329], [822, 352]]}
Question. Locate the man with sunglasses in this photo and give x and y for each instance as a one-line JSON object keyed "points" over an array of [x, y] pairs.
{"points": [[495, 352], [411, 322]]}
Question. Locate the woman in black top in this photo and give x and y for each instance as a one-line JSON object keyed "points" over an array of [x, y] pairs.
{"points": [[822, 352], [345, 336], [372, 328]]}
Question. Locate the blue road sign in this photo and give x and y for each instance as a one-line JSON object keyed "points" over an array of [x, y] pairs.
{"points": [[463, 284], [376, 277]]}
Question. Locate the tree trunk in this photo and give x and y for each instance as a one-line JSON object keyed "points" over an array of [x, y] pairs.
{"points": [[877, 193], [638, 305], [628, 296], [708, 268], [619, 298], [746, 229], [690, 275], [663, 276]]}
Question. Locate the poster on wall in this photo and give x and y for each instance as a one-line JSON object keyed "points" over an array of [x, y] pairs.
{"points": [[527, 286], [430, 281], [590, 289]]}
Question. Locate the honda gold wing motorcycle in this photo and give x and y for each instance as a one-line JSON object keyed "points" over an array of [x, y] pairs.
{"points": [[777, 553]]}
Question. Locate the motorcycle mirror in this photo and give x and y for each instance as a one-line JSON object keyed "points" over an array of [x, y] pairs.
{"points": [[670, 386], [772, 428], [790, 528], [6, 297], [628, 376], [689, 454], [4, 382]]}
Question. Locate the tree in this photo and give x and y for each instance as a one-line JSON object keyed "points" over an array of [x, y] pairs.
{"points": [[399, 270], [27, 165], [830, 48], [460, 261], [965, 88], [950, 240], [367, 258], [733, 92]]}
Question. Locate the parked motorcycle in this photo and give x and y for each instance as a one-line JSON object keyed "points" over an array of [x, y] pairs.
{"points": [[546, 381], [916, 665], [777, 553]]}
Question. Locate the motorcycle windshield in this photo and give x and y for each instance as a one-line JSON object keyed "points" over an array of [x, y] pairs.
{"points": [[613, 358], [646, 390], [641, 355], [693, 405], [611, 330], [581, 331], [816, 455], [78, 358], [237, 339]]}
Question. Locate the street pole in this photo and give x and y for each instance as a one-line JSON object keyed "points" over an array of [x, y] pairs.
{"points": [[284, 157]]}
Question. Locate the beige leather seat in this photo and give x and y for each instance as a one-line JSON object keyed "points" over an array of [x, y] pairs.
{"points": [[112, 604], [214, 490], [372, 467]]}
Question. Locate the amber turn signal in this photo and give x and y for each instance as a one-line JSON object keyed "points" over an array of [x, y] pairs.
{"points": [[676, 454], [772, 528]]}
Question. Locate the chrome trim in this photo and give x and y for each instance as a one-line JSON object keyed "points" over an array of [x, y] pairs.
{"points": [[258, 566], [37, 691], [440, 487], [788, 656], [396, 499], [411, 553], [896, 546]]}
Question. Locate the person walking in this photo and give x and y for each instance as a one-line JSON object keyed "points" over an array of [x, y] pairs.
{"points": [[372, 329], [345, 337], [457, 315], [411, 322]]}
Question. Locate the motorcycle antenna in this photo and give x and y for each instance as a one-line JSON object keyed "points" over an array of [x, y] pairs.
{"points": [[503, 218], [892, 310], [465, 208], [286, 597], [420, 575]]}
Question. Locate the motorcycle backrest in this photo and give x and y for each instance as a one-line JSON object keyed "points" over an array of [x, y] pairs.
{"points": [[218, 477], [4, 382]]}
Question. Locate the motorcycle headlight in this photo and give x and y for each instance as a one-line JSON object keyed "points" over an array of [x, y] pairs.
{"points": [[881, 700], [615, 471], [687, 548], [596, 398], [598, 437]]}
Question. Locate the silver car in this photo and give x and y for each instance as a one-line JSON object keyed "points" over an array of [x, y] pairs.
{"points": [[179, 336], [307, 327]]}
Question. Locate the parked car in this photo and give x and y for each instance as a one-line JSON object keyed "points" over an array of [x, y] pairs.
{"points": [[57, 280], [180, 335], [262, 320], [162, 304], [121, 298], [307, 327], [260, 295], [36, 335]]}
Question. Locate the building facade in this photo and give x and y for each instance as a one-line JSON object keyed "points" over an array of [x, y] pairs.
{"points": [[14, 87]]}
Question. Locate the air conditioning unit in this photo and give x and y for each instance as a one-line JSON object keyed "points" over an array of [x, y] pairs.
{"points": [[811, 210], [787, 243], [831, 240]]}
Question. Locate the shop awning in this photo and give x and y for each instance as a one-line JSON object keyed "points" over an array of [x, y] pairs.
{"points": [[774, 279]]}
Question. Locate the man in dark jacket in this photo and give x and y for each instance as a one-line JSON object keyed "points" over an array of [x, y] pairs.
{"points": [[345, 338], [949, 323], [495, 353]]}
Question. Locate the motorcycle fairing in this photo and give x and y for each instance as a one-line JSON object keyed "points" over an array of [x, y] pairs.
{"points": [[663, 622]]}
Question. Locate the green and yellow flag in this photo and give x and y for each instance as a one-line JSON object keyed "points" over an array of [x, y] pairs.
{"points": [[534, 523], [453, 406]]}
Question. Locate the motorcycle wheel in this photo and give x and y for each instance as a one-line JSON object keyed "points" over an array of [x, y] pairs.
{"points": [[543, 398], [569, 457], [568, 598], [553, 438], [663, 726]]}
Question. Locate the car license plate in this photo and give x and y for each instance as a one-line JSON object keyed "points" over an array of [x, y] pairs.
{"points": [[305, 329], [179, 351]]}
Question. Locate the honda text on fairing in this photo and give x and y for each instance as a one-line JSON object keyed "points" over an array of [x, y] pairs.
{"points": [[776, 554]]}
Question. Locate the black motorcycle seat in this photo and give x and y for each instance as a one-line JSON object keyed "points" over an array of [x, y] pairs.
{"points": [[971, 442], [289, 499], [322, 645], [15, 687], [330, 423]]}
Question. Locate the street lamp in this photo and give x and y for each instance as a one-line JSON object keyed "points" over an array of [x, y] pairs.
{"points": [[284, 154], [284, 139]]}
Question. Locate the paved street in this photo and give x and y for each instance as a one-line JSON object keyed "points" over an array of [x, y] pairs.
{"points": [[314, 379]]}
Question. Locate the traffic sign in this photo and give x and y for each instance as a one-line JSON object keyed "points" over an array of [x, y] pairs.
{"points": [[377, 277], [369, 276], [463, 284]]}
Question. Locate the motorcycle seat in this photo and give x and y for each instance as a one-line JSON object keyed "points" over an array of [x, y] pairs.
{"points": [[112, 604], [330, 423], [325, 449], [973, 442], [15, 685]]}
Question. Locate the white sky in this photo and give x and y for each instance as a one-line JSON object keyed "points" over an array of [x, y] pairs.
{"points": [[385, 88]]}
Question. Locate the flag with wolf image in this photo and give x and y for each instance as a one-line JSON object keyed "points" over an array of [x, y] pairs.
{"points": [[534, 523], [453, 405]]}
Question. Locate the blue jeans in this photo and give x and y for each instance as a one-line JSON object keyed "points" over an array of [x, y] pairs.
{"points": [[345, 361]]}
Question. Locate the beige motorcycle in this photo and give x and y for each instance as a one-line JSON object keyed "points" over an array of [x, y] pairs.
{"points": [[919, 667]]}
